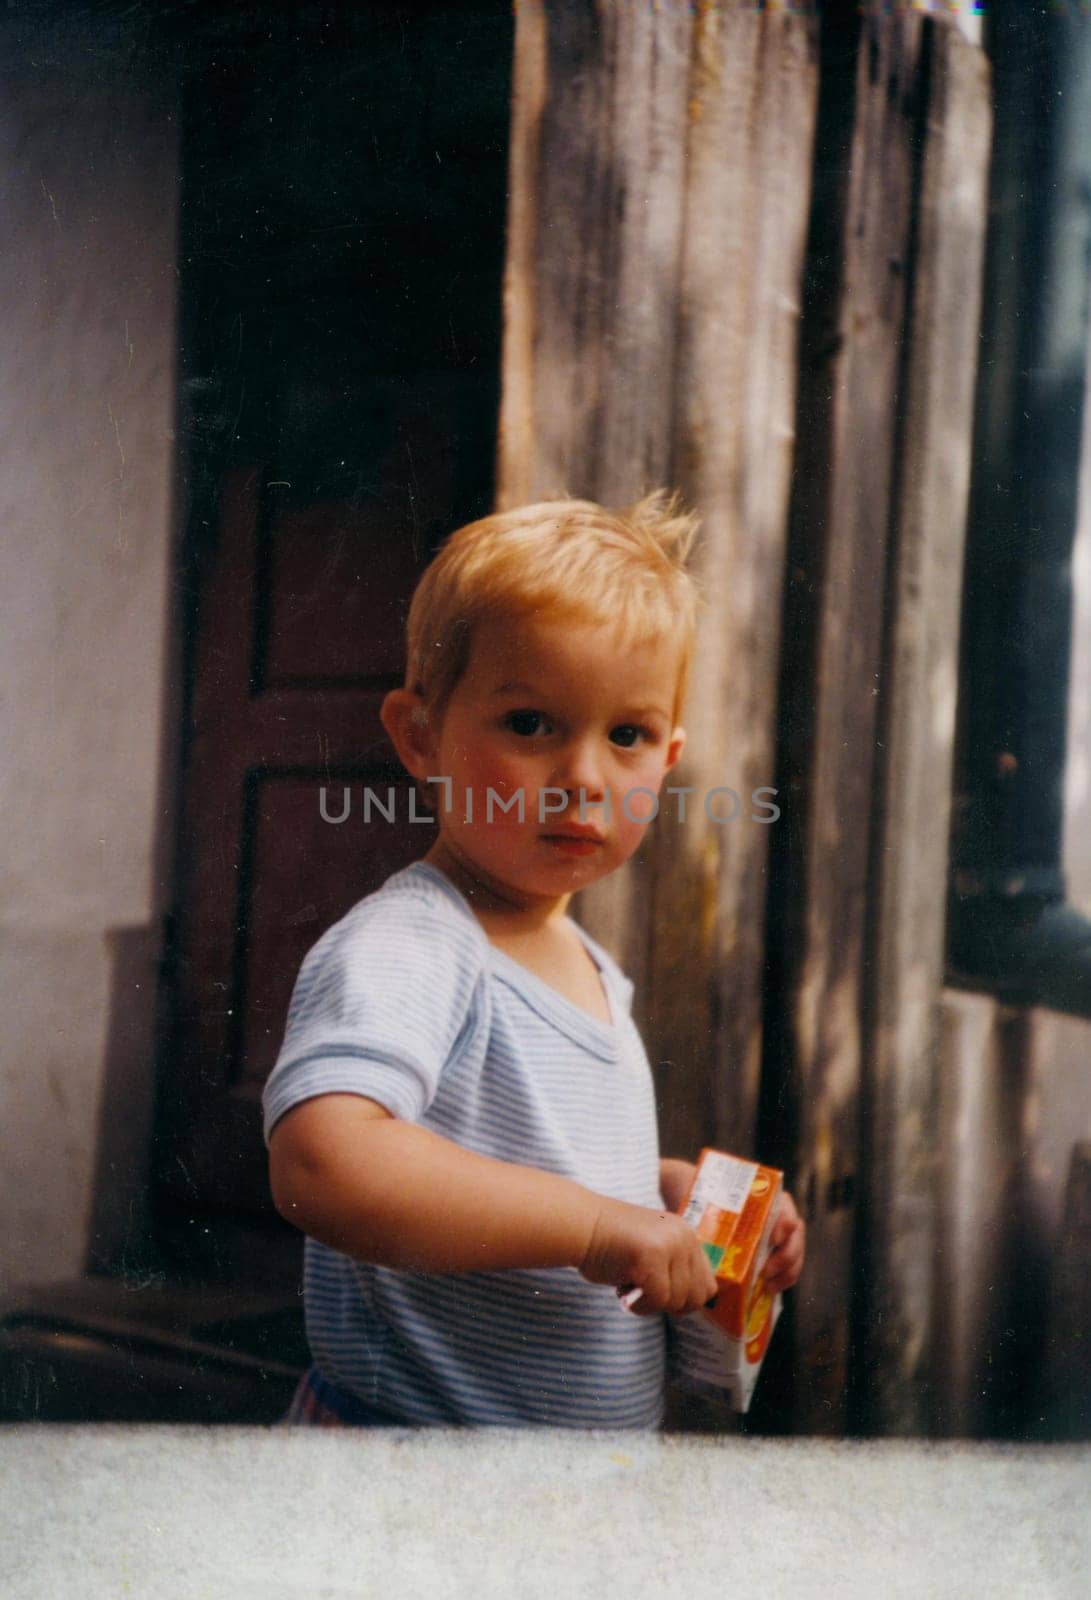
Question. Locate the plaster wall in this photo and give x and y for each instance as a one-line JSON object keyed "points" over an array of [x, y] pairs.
{"points": [[87, 398]]}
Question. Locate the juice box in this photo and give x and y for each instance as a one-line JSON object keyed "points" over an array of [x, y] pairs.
{"points": [[733, 1206]]}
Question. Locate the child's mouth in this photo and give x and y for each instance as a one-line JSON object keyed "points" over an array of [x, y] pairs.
{"points": [[571, 844]]}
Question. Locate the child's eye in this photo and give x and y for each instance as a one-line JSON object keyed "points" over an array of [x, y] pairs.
{"points": [[528, 724], [628, 734]]}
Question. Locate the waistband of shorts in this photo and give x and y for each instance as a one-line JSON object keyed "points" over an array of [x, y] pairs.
{"points": [[317, 1400]]}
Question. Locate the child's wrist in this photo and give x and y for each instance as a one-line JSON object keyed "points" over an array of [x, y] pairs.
{"points": [[587, 1226], [591, 1245]]}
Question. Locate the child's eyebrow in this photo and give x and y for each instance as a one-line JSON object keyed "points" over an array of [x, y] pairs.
{"points": [[517, 686]]}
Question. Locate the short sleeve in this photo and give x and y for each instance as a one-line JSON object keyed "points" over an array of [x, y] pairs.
{"points": [[382, 1003]]}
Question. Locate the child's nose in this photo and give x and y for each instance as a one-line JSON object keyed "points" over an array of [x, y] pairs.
{"points": [[579, 766]]}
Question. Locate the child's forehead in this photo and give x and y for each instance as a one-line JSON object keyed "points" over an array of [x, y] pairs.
{"points": [[509, 654], [538, 635]]}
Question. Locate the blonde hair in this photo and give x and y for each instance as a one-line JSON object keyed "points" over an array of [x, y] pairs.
{"points": [[572, 559]]}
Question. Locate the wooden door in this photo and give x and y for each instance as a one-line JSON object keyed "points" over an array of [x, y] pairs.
{"points": [[342, 249]]}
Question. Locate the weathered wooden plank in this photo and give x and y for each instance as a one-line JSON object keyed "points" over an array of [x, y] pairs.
{"points": [[597, 169], [1066, 1388], [660, 189], [639, 178], [646, 344], [595, 225], [884, 418], [859, 252], [975, 1120], [921, 673], [753, 99], [515, 454]]}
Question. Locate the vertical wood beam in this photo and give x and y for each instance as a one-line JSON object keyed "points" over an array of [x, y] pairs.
{"points": [[595, 228], [660, 187], [752, 109], [910, 874], [869, 676], [661, 180], [859, 259], [595, 224]]}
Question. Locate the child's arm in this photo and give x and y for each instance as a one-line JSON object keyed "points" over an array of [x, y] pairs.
{"points": [[388, 1191]]}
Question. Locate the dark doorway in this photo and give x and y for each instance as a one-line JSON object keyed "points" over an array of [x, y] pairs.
{"points": [[342, 240]]}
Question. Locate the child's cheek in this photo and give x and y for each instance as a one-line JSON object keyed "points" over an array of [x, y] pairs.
{"points": [[505, 778], [642, 786], [638, 805]]}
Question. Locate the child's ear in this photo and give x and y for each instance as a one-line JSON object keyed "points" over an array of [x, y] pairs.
{"points": [[405, 717], [675, 747]]}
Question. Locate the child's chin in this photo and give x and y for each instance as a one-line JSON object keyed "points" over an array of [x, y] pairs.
{"points": [[560, 875], [579, 869]]}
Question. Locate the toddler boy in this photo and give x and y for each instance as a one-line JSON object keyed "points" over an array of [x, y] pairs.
{"points": [[461, 1119]]}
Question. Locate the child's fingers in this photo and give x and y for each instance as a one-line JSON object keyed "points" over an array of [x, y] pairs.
{"points": [[778, 1268], [785, 1279], [788, 1221], [785, 1260], [654, 1295], [685, 1282], [779, 1260], [791, 1237], [784, 1265]]}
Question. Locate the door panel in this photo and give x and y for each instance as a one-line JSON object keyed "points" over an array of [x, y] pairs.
{"points": [[342, 247], [266, 873]]}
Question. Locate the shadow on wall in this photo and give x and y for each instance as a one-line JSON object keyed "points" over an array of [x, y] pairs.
{"points": [[119, 1228], [1013, 1289], [126, 1343]]}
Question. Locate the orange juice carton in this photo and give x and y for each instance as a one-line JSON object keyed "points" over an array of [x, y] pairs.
{"points": [[733, 1206]]}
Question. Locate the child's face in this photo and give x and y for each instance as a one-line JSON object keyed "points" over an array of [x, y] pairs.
{"points": [[549, 709]]}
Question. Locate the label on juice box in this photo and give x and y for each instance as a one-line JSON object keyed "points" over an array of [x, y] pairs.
{"points": [[708, 1358], [732, 1205]]}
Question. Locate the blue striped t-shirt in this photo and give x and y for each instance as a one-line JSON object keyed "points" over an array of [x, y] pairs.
{"points": [[406, 1001]]}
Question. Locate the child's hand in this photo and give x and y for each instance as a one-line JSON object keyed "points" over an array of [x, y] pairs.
{"points": [[788, 1242], [650, 1250]]}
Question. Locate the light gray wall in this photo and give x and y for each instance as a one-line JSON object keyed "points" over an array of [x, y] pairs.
{"points": [[87, 397]]}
